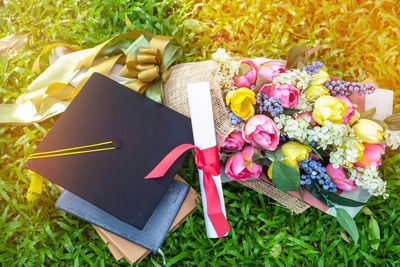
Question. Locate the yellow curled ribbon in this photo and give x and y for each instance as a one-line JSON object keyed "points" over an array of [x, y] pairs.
{"points": [[145, 64]]}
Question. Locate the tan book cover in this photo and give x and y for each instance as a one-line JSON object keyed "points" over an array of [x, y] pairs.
{"points": [[120, 247]]}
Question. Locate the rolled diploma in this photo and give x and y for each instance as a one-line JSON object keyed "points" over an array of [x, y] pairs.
{"points": [[204, 137]]}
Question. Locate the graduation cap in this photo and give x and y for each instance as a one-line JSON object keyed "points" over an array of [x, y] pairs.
{"points": [[106, 142]]}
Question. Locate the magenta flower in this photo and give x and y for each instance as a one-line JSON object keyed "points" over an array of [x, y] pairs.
{"points": [[271, 69], [350, 112], [339, 178], [261, 132], [372, 155], [241, 167], [288, 94], [248, 79], [234, 141]]}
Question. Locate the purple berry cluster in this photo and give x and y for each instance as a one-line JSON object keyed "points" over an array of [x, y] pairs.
{"points": [[313, 171], [314, 67], [235, 120], [270, 105], [344, 88]]}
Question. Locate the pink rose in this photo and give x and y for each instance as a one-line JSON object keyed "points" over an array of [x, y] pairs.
{"points": [[271, 69], [240, 166], [261, 131], [288, 94], [372, 155], [350, 112], [234, 141], [248, 79], [339, 178]]}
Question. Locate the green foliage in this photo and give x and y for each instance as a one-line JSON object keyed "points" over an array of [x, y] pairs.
{"points": [[358, 38], [348, 223], [284, 176]]}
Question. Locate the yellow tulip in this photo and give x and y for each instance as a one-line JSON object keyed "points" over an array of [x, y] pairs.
{"points": [[315, 91], [241, 102], [293, 152], [368, 131], [320, 78], [329, 108], [360, 148]]}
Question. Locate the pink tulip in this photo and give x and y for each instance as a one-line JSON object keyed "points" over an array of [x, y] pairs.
{"points": [[288, 94], [350, 109], [248, 79], [234, 141], [261, 131], [339, 178], [240, 166], [372, 155], [271, 69]]}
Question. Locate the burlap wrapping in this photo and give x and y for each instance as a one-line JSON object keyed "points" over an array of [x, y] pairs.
{"points": [[175, 97]]}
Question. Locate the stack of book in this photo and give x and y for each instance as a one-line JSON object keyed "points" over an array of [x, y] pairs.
{"points": [[101, 149]]}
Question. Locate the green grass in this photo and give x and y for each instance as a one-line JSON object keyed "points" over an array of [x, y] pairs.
{"points": [[357, 40]]}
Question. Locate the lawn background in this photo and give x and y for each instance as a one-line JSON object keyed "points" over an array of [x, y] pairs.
{"points": [[358, 39]]}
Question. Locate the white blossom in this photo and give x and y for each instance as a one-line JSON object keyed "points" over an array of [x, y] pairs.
{"points": [[329, 134], [304, 104], [227, 68], [392, 139], [296, 77], [293, 128], [369, 179], [346, 154]]}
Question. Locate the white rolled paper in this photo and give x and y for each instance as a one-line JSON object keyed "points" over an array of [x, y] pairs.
{"points": [[204, 137]]}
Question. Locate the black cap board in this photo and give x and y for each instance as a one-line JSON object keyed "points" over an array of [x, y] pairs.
{"points": [[141, 131]]}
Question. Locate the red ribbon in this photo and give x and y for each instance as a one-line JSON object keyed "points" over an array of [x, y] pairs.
{"points": [[206, 160]]}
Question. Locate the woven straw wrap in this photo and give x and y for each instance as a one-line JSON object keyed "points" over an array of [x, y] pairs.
{"points": [[175, 97]]}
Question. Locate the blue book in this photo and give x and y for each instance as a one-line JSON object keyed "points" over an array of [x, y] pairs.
{"points": [[155, 230]]}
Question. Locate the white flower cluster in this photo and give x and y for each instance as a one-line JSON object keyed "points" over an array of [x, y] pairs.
{"points": [[227, 68], [293, 128], [304, 104], [329, 134], [392, 139], [346, 154], [369, 180], [296, 77]]}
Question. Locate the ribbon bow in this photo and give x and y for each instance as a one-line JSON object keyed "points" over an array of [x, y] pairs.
{"points": [[146, 64], [206, 160]]}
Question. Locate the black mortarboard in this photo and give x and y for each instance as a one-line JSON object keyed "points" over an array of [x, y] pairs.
{"points": [[143, 132]]}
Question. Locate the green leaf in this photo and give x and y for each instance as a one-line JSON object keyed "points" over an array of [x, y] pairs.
{"points": [[295, 55], [369, 114], [276, 250], [290, 112], [316, 152], [260, 159], [348, 223], [317, 193], [342, 200], [285, 177], [374, 234], [243, 69]]}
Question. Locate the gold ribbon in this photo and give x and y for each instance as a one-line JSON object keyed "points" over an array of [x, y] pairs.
{"points": [[147, 65]]}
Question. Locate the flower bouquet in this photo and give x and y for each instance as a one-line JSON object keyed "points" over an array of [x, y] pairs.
{"points": [[296, 128]]}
